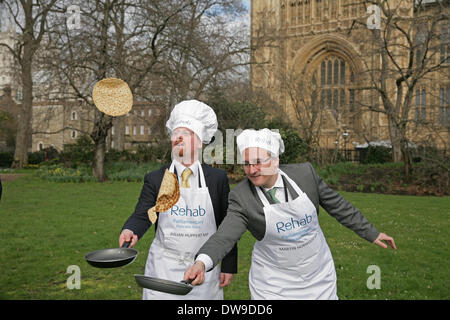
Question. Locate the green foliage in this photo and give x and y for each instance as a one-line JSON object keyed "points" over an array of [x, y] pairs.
{"points": [[59, 173], [234, 115], [6, 158], [376, 154], [80, 152], [115, 171], [8, 129], [295, 148]]}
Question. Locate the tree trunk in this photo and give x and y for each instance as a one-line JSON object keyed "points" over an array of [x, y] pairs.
{"points": [[119, 134], [406, 159], [23, 136], [102, 123], [98, 169], [394, 134]]}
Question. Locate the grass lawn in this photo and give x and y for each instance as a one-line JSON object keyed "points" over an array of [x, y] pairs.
{"points": [[47, 227]]}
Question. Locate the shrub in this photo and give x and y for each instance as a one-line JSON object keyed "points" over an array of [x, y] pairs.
{"points": [[376, 154], [80, 152], [6, 158]]}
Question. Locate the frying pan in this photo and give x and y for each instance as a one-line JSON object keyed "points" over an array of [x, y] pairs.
{"points": [[112, 258], [180, 288]]}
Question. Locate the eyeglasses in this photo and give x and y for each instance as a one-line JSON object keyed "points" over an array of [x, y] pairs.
{"points": [[184, 133], [258, 163]]}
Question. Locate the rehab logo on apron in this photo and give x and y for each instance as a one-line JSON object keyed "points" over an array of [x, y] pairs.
{"points": [[182, 230], [293, 260]]}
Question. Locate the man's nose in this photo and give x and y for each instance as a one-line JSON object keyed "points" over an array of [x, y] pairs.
{"points": [[177, 137], [253, 170]]}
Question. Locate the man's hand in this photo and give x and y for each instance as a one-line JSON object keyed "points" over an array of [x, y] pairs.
{"points": [[225, 279], [126, 236], [196, 273], [384, 237]]}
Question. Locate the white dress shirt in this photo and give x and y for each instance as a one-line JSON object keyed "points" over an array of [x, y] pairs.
{"points": [[193, 178], [279, 194]]}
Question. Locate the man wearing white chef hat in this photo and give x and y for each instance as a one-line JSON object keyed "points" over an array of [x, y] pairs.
{"points": [[184, 228], [279, 205]]}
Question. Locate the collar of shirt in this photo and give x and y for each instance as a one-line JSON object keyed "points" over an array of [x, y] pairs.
{"points": [[279, 193], [180, 168], [278, 183]]}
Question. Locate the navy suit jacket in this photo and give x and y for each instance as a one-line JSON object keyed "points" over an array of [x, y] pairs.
{"points": [[218, 187]]}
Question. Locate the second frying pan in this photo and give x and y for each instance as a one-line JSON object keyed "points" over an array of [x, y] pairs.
{"points": [[112, 258], [162, 285]]}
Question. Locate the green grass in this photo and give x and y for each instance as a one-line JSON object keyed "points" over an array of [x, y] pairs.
{"points": [[48, 226]]}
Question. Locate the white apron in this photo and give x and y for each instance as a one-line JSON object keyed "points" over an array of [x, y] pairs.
{"points": [[182, 230], [293, 260]]}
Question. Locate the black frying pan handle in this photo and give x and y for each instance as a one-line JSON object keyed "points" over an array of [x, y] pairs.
{"points": [[188, 281], [126, 244]]}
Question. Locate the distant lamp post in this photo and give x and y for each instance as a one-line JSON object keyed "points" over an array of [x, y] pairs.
{"points": [[345, 135]]}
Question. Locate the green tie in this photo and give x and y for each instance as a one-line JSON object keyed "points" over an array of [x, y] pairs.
{"points": [[272, 195]]}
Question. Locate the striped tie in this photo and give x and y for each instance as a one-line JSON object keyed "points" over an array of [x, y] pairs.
{"points": [[184, 178]]}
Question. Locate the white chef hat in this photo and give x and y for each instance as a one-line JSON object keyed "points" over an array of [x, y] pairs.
{"points": [[264, 138], [196, 116]]}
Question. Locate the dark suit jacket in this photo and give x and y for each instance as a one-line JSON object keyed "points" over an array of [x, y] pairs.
{"points": [[246, 211], [218, 187]]}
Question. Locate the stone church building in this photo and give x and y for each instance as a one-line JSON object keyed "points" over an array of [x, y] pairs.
{"points": [[312, 57]]}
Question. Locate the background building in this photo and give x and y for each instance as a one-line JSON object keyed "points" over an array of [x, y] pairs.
{"points": [[318, 57], [57, 121]]}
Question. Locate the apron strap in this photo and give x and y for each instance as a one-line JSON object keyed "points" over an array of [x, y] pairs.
{"points": [[291, 189]]}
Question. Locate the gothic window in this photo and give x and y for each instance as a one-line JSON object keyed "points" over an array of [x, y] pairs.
{"points": [[300, 12], [325, 8], [354, 9], [445, 43], [319, 10], [307, 10], [293, 11], [444, 106], [336, 72], [345, 6], [421, 102], [335, 90], [421, 37], [334, 9]]}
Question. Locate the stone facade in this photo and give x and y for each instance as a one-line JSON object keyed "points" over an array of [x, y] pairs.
{"points": [[321, 49]]}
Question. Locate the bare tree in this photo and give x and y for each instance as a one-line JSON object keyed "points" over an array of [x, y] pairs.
{"points": [[303, 96], [116, 38], [204, 48], [30, 18]]}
